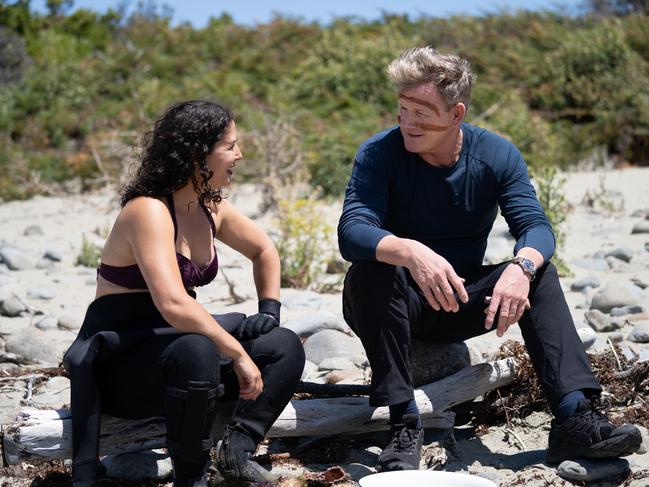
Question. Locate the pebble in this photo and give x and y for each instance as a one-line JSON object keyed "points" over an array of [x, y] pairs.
{"points": [[623, 253], [45, 264], [303, 300], [587, 336], [641, 227], [434, 361], [32, 346], [641, 283], [627, 310], [307, 325], [584, 282], [616, 337], [15, 259], [53, 253], [591, 264], [351, 376], [47, 323], [41, 293], [54, 395], [336, 363], [70, 322], [32, 230], [640, 332], [331, 343], [598, 321], [12, 306], [590, 470], [617, 265], [139, 466], [616, 294], [309, 371]]}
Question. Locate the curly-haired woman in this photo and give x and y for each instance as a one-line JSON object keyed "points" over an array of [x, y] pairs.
{"points": [[147, 347]]}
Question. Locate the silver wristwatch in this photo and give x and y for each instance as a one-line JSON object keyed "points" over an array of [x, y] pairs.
{"points": [[527, 265]]}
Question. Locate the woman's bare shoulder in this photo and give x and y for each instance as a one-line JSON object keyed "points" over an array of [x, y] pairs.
{"points": [[144, 207]]}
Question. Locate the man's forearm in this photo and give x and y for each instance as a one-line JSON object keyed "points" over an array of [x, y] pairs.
{"points": [[396, 251]]}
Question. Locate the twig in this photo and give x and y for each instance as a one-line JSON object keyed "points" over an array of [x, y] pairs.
{"points": [[520, 441], [236, 298], [617, 359]]}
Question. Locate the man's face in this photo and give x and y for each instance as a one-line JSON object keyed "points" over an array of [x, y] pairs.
{"points": [[424, 118]]}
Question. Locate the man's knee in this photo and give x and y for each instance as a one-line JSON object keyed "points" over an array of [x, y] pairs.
{"points": [[370, 276]]}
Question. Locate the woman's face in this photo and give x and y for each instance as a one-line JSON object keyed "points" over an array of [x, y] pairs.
{"points": [[223, 159]]}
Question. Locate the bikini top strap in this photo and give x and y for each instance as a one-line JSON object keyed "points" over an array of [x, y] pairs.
{"points": [[208, 213], [172, 210]]}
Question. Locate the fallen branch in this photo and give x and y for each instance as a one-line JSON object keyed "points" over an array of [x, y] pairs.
{"points": [[48, 433]]}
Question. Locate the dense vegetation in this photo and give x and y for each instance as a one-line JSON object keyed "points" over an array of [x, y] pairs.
{"points": [[77, 87]]}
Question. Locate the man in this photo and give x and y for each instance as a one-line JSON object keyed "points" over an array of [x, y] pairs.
{"points": [[418, 209]]}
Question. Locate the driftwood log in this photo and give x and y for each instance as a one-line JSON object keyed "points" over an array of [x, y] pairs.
{"points": [[48, 433]]}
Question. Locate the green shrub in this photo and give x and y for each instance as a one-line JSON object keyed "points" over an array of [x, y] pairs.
{"points": [[303, 242], [89, 255]]}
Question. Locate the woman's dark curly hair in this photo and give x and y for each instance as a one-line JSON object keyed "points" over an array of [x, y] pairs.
{"points": [[179, 143]]}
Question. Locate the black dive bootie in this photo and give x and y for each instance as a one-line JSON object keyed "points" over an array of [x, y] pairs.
{"points": [[234, 457]]}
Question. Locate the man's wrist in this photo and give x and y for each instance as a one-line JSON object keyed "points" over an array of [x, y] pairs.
{"points": [[527, 266]]}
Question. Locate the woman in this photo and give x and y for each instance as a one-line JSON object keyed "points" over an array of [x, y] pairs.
{"points": [[147, 347]]}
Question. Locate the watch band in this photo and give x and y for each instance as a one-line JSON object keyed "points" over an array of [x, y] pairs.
{"points": [[526, 264]]}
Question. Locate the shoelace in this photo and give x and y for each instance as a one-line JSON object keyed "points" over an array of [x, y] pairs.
{"points": [[405, 440]]}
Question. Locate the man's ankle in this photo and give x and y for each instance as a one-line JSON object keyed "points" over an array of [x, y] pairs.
{"points": [[407, 409]]}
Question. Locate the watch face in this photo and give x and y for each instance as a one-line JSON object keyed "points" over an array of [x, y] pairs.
{"points": [[528, 265]]}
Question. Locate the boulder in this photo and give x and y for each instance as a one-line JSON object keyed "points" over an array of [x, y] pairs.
{"points": [[615, 295], [332, 343]]}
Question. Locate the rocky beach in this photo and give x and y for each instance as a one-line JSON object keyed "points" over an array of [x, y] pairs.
{"points": [[44, 292]]}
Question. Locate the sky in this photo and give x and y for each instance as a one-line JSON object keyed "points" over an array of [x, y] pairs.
{"points": [[250, 12]]}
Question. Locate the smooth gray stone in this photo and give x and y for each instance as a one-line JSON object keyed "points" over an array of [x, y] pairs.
{"points": [[640, 332], [69, 322], [53, 253], [623, 253], [587, 336], [641, 283], [591, 470], [47, 323], [12, 306], [433, 361], [584, 282], [45, 264], [617, 265], [32, 345], [138, 466], [332, 343], [33, 230], [616, 295], [627, 310], [307, 325], [598, 321], [644, 447], [303, 300], [309, 371], [54, 395], [16, 259], [591, 264], [641, 227], [41, 293], [336, 363]]}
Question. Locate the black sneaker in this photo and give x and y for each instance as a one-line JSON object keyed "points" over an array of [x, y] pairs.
{"points": [[590, 434], [403, 452]]}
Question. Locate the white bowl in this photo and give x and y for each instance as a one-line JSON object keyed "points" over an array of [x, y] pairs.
{"points": [[424, 478]]}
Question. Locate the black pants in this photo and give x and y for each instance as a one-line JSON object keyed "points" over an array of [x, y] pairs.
{"points": [[385, 307], [134, 384]]}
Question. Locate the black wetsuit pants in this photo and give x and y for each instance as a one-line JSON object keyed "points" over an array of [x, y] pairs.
{"points": [[135, 384], [385, 307]]}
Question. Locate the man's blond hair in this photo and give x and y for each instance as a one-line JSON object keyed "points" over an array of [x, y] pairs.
{"points": [[450, 74]]}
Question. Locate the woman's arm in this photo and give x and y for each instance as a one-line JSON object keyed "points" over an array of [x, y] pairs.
{"points": [[150, 234], [240, 233]]}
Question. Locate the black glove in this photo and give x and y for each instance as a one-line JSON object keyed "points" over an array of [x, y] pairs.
{"points": [[260, 323]]}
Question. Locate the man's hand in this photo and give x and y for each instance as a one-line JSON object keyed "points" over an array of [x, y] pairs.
{"points": [[436, 278], [510, 295]]}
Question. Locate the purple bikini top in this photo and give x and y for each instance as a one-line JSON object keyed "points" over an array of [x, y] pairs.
{"points": [[130, 276]]}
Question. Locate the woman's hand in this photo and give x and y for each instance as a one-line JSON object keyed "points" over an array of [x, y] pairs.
{"points": [[249, 377]]}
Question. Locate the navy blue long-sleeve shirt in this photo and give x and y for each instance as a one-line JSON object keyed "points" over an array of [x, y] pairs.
{"points": [[451, 210]]}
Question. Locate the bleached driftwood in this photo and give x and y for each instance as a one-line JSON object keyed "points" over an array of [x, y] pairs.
{"points": [[48, 433]]}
